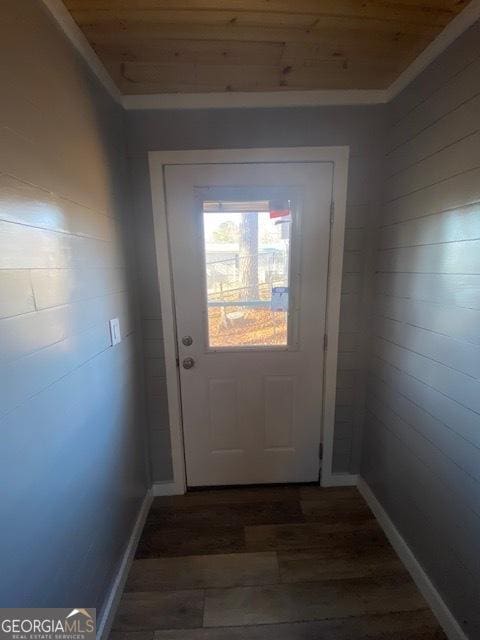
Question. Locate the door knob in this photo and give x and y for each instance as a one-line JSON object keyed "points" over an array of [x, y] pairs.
{"points": [[187, 341], [188, 363]]}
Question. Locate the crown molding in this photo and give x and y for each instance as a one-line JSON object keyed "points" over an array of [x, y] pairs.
{"points": [[73, 32], [239, 100], [469, 15]]}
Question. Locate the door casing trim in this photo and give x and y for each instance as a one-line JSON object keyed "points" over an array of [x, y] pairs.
{"points": [[158, 160]]}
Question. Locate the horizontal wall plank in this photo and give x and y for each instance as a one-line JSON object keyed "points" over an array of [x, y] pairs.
{"points": [[459, 355], [449, 226], [458, 525], [462, 52], [353, 261], [457, 418], [453, 257], [351, 283], [345, 396], [363, 186], [71, 417], [346, 379], [25, 334], [437, 435], [457, 158], [30, 374], [157, 408], [348, 342], [421, 435], [350, 314], [343, 430], [439, 557], [156, 386], [65, 409], [152, 329], [354, 239], [454, 126], [343, 414], [455, 192], [455, 385], [32, 248], [154, 349], [154, 367], [359, 216], [441, 463], [455, 322], [57, 172], [445, 288], [16, 295], [458, 90], [348, 361], [30, 205], [54, 287], [21, 158]]}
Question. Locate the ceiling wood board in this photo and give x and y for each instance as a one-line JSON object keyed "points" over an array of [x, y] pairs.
{"points": [[199, 46]]}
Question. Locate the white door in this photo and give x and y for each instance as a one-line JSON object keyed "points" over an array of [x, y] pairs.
{"points": [[249, 247]]}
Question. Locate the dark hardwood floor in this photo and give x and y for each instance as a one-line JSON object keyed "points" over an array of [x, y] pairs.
{"points": [[273, 563]]}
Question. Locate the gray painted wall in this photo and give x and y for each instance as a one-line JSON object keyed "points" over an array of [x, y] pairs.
{"points": [[421, 453], [72, 459], [360, 128]]}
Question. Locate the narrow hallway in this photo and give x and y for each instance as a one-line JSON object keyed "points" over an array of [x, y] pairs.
{"points": [[286, 563]]}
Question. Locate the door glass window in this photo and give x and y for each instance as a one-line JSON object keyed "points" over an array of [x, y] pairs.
{"points": [[247, 266]]}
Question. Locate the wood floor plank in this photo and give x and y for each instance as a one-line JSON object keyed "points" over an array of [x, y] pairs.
{"points": [[306, 536], [231, 496], [227, 515], [410, 625], [333, 495], [197, 572], [272, 563], [326, 564], [351, 510], [157, 542], [310, 601], [143, 610]]}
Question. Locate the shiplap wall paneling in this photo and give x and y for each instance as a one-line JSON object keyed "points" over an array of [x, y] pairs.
{"points": [[72, 469], [421, 453]]}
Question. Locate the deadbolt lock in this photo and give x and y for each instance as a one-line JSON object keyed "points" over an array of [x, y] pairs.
{"points": [[187, 341], [188, 363]]}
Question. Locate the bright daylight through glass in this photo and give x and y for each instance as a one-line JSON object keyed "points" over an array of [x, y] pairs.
{"points": [[247, 255]]}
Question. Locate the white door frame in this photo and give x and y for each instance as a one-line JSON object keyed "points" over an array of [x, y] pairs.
{"points": [[338, 156]]}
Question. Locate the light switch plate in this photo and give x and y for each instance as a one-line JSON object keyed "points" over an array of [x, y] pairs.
{"points": [[115, 334]]}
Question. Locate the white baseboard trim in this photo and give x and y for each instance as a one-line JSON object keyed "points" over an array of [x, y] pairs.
{"points": [[339, 480], [421, 579], [167, 489], [105, 621]]}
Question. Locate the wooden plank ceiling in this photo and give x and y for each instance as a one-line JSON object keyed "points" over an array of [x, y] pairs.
{"points": [[198, 46]]}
